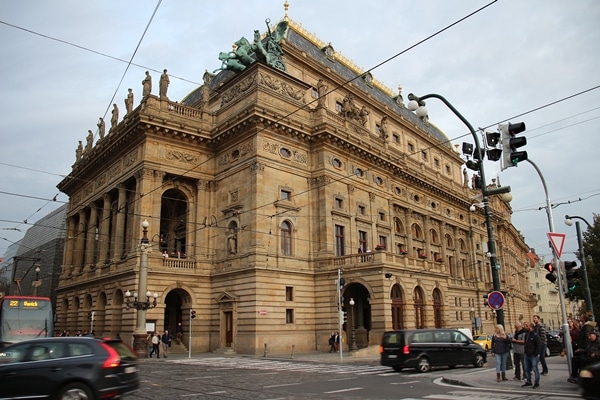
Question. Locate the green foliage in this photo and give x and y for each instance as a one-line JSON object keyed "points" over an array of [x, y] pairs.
{"points": [[591, 248]]}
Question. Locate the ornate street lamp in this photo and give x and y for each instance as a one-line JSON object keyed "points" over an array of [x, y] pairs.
{"points": [[353, 340], [132, 301]]}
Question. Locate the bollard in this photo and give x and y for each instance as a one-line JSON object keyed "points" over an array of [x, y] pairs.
{"points": [[265, 353], [293, 350]]}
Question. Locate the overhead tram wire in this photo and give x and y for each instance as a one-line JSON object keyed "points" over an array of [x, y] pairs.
{"points": [[131, 59]]}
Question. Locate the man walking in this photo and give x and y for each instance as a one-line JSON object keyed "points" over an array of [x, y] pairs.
{"points": [[532, 348], [166, 342], [518, 342], [540, 329]]}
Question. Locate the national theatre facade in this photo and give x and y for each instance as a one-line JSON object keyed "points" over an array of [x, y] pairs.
{"points": [[286, 167]]}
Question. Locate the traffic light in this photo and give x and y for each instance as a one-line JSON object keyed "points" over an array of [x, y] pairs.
{"points": [[192, 314], [492, 139], [572, 276], [550, 275], [91, 315], [510, 143], [473, 165], [340, 283], [485, 300]]}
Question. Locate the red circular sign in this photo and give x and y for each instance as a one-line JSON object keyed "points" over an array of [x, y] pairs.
{"points": [[496, 300]]}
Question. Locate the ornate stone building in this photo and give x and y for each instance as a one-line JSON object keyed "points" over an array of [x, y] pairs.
{"points": [[283, 168]]}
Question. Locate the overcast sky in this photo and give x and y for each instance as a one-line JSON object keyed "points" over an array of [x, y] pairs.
{"points": [[62, 62]]}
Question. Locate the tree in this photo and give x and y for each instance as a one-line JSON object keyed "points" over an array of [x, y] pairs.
{"points": [[591, 248]]}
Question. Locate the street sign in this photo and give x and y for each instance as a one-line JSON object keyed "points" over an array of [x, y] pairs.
{"points": [[496, 300], [558, 241]]}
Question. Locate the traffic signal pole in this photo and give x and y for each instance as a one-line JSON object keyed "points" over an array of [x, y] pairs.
{"points": [[485, 192], [566, 333]]}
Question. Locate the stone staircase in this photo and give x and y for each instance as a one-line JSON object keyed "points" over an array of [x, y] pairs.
{"points": [[177, 348]]}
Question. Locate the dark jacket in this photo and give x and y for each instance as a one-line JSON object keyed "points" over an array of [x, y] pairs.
{"points": [[500, 345], [166, 338], [532, 344]]}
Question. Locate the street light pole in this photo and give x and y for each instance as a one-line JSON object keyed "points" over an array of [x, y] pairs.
{"points": [[351, 322], [587, 293], [485, 193], [140, 334]]}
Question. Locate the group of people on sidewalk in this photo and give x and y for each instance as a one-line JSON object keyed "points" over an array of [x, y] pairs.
{"points": [[154, 342], [529, 343]]}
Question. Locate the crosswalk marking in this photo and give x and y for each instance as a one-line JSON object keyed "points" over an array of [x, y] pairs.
{"points": [[293, 366]]}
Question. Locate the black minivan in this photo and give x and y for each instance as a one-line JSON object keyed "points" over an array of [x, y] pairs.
{"points": [[423, 349]]}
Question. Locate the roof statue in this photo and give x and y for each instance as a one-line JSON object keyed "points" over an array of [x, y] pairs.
{"points": [[266, 50]]}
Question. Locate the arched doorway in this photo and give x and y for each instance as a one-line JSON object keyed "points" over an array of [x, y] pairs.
{"points": [[437, 308], [419, 300], [173, 313], [359, 315], [397, 308]]}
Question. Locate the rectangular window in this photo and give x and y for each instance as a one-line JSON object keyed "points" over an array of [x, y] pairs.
{"points": [[383, 241], [362, 241], [289, 293], [362, 210], [315, 93], [289, 316], [411, 148], [381, 216], [339, 203], [436, 162], [340, 249], [424, 155], [285, 194], [338, 107], [396, 138]]}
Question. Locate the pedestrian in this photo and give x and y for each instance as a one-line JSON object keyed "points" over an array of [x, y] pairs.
{"points": [[585, 327], [337, 342], [332, 343], [541, 330], [500, 351], [532, 347], [518, 343], [166, 342], [587, 356], [178, 329], [155, 345]]}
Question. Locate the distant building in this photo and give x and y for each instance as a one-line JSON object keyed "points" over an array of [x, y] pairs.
{"points": [[259, 188], [42, 247]]}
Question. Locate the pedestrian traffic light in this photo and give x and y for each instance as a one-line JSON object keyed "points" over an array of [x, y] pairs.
{"points": [[550, 275], [510, 143], [572, 275], [192, 314], [492, 139]]}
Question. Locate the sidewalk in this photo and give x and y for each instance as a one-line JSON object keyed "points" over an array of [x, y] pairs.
{"points": [[555, 381]]}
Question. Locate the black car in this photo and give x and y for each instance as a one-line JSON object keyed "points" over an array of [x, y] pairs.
{"points": [[68, 368], [589, 382], [423, 349], [554, 345]]}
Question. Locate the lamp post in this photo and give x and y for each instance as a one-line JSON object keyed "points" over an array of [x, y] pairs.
{"points": [[353, 340], [586, 292], [139, 335], [418, 105], [36, 283]]}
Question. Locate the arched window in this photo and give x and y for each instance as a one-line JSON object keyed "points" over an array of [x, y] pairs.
{"points": [[286, 238], [398, 228], [419, 308], [416, 231], [437, 308], [173, 223], [449, 242], [397, 308], [434, 236]]}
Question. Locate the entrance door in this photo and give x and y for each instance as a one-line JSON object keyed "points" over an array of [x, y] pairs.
{"points": [[228, 328]]}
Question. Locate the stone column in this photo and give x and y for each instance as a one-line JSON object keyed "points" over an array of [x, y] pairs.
{"points": [[104, 231], [80, 243], [120, 229], [90, 245]]}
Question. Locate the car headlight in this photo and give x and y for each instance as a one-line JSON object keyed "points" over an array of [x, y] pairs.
{"points": [[584, 373]]}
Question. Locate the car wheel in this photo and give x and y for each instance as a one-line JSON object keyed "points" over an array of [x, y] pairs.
{"points": [[479, 362], [74, 391], [424, 365]]}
